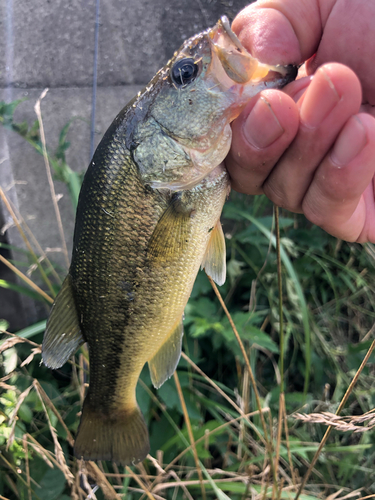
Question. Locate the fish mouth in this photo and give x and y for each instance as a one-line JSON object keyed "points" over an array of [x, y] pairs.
{"points": [[239, 65]]}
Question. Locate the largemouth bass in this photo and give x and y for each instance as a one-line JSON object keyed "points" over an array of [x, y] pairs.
{"points": [[148, 217]]}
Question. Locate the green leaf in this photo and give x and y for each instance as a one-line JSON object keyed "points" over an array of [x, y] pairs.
{"points": [[52, 485], [51, 391], [25, 413], [258, 338], [201, 326], [234, 269], [161, 432], [191, 405], [247, 331], [9, 360], [63, 143], [7, 111], [201, 286], [4, 325]]}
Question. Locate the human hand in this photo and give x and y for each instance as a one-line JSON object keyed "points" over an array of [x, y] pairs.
{"points": [[312, 149]]}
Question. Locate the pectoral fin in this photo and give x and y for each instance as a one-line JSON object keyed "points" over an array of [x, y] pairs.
{"points": [[63, 332], [214, 261], [165, 361], [170, 236]]}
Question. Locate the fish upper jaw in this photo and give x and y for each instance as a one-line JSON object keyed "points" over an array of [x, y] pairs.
{"points": [[239, 65]]}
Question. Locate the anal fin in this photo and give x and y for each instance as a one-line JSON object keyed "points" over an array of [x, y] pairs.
{"points": [[214, 260], [63, 332], [165, 361]]}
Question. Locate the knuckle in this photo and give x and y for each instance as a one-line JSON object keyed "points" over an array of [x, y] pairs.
{"points": [[314, 214], [279, 197]]}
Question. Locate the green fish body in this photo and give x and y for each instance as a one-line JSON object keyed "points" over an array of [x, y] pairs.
{"points": [[148, 217]]}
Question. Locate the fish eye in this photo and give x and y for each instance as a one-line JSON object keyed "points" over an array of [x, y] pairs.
{"points": [[184, 72]]}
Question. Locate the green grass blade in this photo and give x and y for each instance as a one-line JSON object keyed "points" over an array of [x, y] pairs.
{"points": [[32, 330], [292, 273], [21, 289]]}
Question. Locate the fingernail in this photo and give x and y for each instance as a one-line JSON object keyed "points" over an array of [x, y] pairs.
{"points": [[262, 128], [319, 101], [351, 141]]}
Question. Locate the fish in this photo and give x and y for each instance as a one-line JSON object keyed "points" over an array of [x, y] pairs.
{"points": [[148, 218]]}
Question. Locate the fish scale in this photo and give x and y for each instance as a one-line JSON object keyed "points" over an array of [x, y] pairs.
{"points": [[148, 217]]}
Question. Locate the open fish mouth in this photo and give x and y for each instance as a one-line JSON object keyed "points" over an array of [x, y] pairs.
{"points": [[240, 66]]}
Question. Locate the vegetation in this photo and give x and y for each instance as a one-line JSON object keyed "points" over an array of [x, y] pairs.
{"points": [[225, 426]]}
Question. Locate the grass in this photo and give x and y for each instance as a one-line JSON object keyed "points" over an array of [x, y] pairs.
{"points": [[274, 394]]}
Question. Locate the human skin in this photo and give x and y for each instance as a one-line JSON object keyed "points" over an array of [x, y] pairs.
{"points": [[311, 148]]}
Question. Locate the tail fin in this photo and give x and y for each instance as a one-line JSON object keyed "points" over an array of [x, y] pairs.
{"points": [[120, 436]]}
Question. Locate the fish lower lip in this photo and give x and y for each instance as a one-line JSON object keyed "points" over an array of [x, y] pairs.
{"points": [[292, 72], [286, 74]]}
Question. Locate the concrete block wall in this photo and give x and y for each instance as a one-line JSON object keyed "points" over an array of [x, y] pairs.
{"points": [[51, 44]]}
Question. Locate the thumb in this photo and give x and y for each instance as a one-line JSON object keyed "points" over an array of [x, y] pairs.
{"points": [[282, 31]]}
